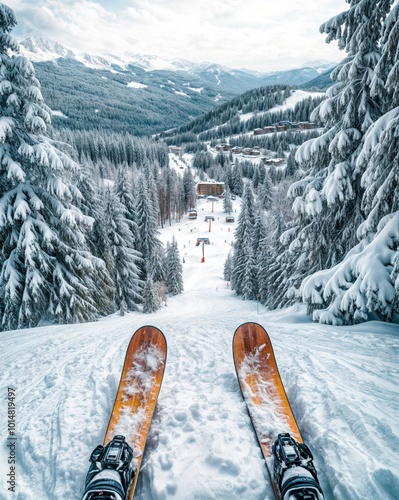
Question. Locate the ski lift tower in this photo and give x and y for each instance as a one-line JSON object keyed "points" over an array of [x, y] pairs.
{"points": [[212, 199]]}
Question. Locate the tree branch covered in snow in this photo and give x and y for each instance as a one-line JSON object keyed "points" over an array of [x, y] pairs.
{"points": [[366, 280], [47, 269]]}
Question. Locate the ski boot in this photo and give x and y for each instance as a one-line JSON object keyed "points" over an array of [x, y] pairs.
{"points": [[110, 472], [293, 469]]}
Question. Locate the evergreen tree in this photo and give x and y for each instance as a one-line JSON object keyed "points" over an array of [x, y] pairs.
{"points": [[96, 236], [249, 285], [237, 183], [151, 302], [262, 173], [266, 193], [149, 243], [366, 281], [227, 202], [276, 273], [259, 231], [255, 179], [291, 164], [47, 269], [126, 260], [189, 187], [91, 206], [327, 199], [264, 263], [227, 267], [124, 192], [174, 273], [243, 240]]}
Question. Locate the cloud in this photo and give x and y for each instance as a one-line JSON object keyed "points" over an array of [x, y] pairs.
{"points": [[256, 34]]}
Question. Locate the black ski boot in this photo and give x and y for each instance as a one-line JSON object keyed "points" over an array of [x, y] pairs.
{"points": [[110, 472], [294, 472]]}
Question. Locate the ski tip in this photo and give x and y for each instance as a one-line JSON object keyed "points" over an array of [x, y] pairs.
{"points": [[150, 331], [250, 329]]}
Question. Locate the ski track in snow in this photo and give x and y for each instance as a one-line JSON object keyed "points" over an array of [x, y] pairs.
{"points": [[342, 383]]}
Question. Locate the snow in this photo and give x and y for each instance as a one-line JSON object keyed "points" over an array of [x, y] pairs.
{"points": [[180, 92], [136, 85], [289, 103], [373, 135], [294, 98], [363, 277], [268, 413], [145, 363], [194, 89], [342, 382], [60, 114]]}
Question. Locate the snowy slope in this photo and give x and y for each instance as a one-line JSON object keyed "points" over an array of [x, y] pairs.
{"points": [[342, 383], [296, 96]]}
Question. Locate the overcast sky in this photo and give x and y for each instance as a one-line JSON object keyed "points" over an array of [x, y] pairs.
{"points": [[263, 35]]}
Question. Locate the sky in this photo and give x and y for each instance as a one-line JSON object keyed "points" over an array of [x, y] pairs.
{"points": [[262, 35]]}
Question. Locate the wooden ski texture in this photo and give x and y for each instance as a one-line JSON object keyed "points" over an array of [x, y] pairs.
{"points": [[138, 391], [262, 389]]}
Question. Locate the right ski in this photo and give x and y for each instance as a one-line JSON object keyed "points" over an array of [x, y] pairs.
{"points": [[288, 460]]}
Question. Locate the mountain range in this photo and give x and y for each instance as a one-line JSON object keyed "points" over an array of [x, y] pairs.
{"points": [[139, 93]]}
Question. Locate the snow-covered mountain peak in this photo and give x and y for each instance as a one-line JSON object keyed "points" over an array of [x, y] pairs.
{"points": [[319, 65], [39, 48], [151, 62], [216, 68]]}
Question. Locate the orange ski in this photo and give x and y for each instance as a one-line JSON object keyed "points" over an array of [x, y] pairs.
{"points": [[263, 390], [115, 466], [138, 391]]}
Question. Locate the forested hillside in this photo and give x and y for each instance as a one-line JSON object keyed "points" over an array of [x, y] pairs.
{"points": [[140, 94], [79, 211], [80, 225], [338, 248], [237, 119], [154, 102]]}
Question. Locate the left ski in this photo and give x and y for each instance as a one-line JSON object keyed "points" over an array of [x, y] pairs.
{"points": [[115, 465]]}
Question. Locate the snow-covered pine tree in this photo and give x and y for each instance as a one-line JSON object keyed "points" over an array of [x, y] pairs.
{"points": [[327, 199], [46, 267], [378, 159], [227, 202], [255, 180], [96, 236], [174, 269], [275, 272], [243, 240], [227, 266], [149, 243], [249, 284], [266, 193], [367, 279], [259, 230], [264, 264], [151, 301], [124, 192], [291, 164], [125, 271], [262, 173], [189, 187], [237, 186]]}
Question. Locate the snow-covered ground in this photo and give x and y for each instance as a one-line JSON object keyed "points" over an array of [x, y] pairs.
{"points": [[289, 103], [343, 384], [136, 85]]}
